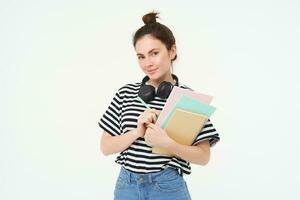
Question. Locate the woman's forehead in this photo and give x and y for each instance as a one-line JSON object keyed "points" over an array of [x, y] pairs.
{"points": [[146, 44]]}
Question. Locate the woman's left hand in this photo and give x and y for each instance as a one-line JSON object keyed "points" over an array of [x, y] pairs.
{"points": [[156, 136]]}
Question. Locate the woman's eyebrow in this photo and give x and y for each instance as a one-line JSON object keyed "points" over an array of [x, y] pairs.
{"points": [[138, 54]]}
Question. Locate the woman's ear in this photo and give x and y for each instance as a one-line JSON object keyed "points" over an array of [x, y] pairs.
{"points": [[173, 52]]}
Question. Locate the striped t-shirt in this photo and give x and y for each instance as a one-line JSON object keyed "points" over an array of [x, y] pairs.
{"points": [[121, 116]]}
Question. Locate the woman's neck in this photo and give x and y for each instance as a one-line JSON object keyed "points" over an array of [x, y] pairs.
{"points": [[167, 77]]}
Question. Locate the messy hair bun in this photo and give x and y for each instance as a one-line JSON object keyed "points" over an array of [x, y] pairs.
{"points": [[150, 17]]}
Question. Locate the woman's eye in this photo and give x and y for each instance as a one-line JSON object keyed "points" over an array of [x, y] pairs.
{"points": [[155, 53]]}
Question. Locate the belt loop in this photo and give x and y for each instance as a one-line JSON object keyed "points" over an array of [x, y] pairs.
{"points": [[150, 178], [180, 172]]}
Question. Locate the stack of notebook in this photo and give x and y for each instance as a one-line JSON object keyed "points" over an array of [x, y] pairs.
{"points": [[183, 116]]}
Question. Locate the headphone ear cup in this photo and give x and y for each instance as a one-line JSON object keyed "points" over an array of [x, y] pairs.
{"points": [[147, 93], [164, 89]]}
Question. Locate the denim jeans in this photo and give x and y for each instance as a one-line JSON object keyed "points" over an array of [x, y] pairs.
{"points": [[163, 185]]}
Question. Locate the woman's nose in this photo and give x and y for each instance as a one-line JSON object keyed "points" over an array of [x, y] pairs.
{"points": [[148, 62]]}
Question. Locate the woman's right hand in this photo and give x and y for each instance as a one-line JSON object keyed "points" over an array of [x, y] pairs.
{"points": [[146, 117]]}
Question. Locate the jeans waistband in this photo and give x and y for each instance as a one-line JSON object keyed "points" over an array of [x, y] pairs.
{"points": [[148, 177]]}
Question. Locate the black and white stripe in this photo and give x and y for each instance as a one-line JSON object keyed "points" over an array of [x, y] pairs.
{"points": [[121, 117]]}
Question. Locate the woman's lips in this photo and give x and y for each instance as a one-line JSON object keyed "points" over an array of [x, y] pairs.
{"points": [[151, 71]]}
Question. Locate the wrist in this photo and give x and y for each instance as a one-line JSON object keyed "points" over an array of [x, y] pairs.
{"points": [[135, 133], [170, 143]]}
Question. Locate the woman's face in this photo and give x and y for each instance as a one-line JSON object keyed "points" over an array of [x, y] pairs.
{"points": [[153, 57]]}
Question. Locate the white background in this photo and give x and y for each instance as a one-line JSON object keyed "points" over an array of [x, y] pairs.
{"points": [[62, 61]]}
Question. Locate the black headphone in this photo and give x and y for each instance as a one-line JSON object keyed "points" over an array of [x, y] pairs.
{"points": [[147, 92]]}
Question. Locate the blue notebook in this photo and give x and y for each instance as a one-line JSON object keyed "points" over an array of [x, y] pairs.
{"points": [[191, 105]]}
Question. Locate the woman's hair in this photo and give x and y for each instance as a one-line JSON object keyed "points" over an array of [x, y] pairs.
{"points": [[156, 30]]}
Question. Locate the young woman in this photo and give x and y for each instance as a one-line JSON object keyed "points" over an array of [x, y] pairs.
{"points": [[129, 127]]}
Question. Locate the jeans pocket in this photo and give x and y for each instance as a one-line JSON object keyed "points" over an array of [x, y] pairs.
{"points": [[170, 185]]}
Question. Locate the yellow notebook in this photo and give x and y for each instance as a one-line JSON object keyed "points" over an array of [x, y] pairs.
{"points": [[183, 127]]}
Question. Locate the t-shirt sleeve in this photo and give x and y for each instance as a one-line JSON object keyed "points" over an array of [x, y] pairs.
{"points": [[111, 119], [208, 132]]}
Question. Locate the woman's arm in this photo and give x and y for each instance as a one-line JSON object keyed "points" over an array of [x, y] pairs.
{"points": [[114, 144], [199, 154]]}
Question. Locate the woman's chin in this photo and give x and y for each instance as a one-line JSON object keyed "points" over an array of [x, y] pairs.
{"points": [[153, 76]]}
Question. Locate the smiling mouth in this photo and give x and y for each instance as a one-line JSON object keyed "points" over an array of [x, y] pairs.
{"points": [[151, 71]]}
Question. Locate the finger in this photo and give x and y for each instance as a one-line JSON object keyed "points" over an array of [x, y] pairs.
{"points": [[145, 120], [150, 110], [156, 112], [148, 121], [151, 125], [154, 127], [146, 131], [151, 116], [154, 117]]}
